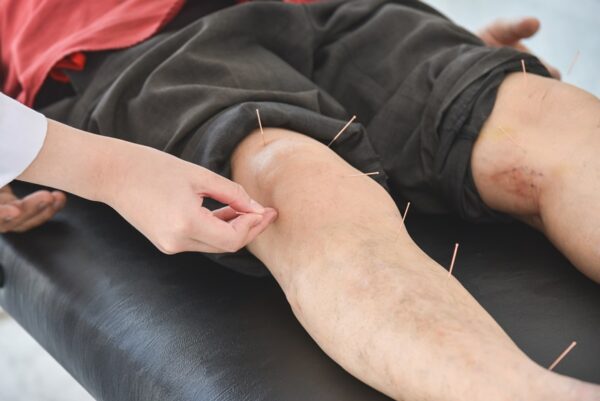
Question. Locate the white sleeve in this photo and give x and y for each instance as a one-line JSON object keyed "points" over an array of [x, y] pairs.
{"points": [[22, 135]]}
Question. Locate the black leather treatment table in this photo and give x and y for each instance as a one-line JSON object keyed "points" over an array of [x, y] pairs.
{"points": [[131, 324]]}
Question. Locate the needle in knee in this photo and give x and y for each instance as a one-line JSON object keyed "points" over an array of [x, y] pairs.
{"points": [[563, 355], [453, 260], [405, 212], [573, 62], [342, 131], [524, 70], [262, 133], [363, 174]]}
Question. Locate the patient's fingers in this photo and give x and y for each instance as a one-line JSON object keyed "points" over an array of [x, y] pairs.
{"points": [[60, 200], [6, 195], [36, 200], [35, 209], [8, 213], [44, 214], [514, 31], [38, 219], [508, 33]]}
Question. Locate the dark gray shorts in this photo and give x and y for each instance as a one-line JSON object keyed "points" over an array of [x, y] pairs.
{"points": [[421, 86]]}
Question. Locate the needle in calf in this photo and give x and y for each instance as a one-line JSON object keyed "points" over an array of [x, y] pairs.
{"points": [[362, 174], [563, 355], [453, 260], [405, 212]]}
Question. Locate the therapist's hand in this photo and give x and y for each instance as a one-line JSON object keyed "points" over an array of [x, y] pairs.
{"points": [[162, 196], [503, 33], [19, 215]]}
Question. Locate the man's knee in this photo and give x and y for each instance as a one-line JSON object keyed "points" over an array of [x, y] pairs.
{"points": [[264, 162], [523, 145]]}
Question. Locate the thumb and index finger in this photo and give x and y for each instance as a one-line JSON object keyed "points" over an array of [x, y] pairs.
{"points": [[231, 193], [237, 224]]}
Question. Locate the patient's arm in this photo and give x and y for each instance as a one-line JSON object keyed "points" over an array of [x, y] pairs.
{"points": [[368, 295]]}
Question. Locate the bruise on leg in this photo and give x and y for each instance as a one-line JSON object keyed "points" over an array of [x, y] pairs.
{"points": [[522, 183], [503, 174]]}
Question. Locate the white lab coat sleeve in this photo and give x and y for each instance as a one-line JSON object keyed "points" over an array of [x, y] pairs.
{"points": [[22, 135]]}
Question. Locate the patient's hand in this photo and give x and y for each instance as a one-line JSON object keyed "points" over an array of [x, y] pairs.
{"points": [[502, 33], [18, 215]]}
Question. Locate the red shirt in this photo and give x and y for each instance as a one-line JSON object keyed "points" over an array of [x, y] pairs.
{"points": [[41, 37]]}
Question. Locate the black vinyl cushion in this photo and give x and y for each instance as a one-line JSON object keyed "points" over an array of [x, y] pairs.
{"points": [[132, 324]]}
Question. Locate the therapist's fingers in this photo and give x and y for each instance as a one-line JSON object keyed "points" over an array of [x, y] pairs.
{"points": [[191, 245], [269, 216], [233, 235], [245, 228], [226, 213], [228, 236], [228, 192]]}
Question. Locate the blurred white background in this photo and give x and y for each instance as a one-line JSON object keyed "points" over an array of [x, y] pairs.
{"points": [[28, 373], [567, 26]]}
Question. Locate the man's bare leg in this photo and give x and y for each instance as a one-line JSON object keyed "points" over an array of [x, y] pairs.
{"points": [[368, 295], [538, 158]]}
